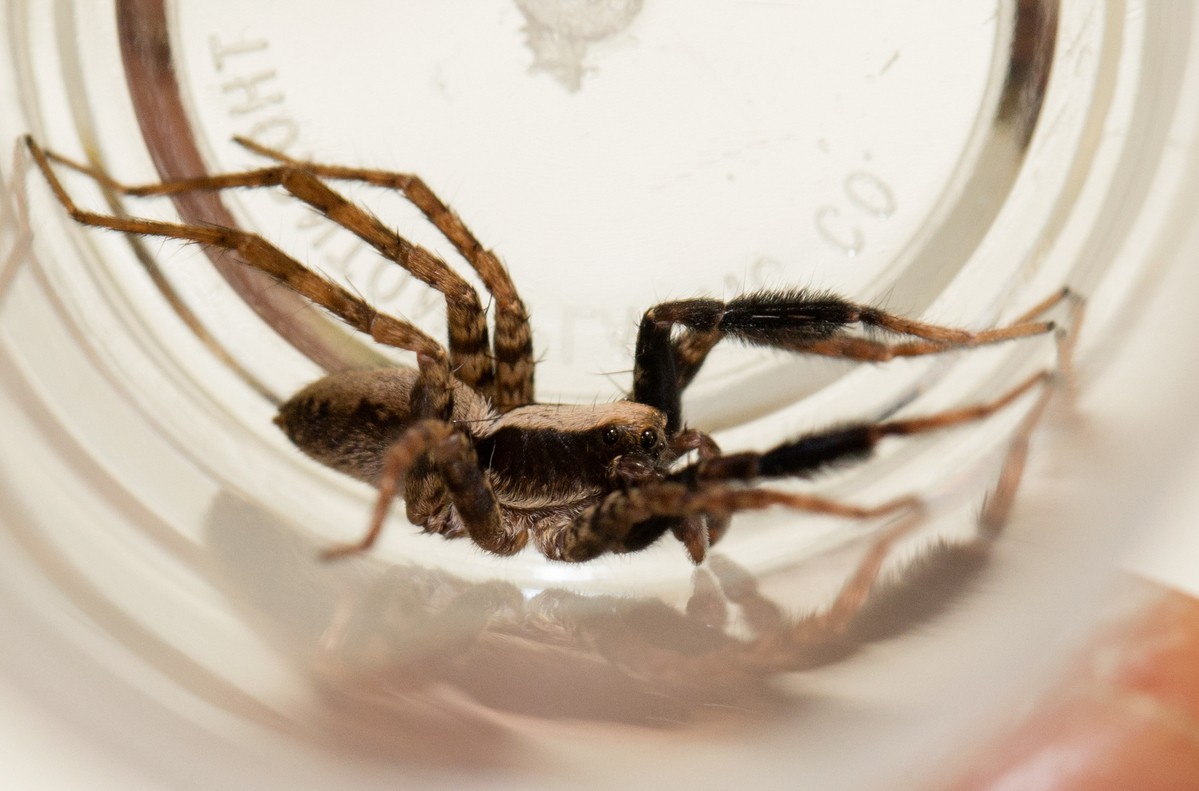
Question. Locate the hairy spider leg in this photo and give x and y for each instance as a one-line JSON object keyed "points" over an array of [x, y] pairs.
{"points": [[948, 560], [450, 452], [513, 342], [796, 321], [801, 457], [631, 519], [435, 377], [470, 353], [812, 453]]}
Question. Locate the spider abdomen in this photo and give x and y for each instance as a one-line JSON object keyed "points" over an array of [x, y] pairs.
{"points": [[348, 420]]}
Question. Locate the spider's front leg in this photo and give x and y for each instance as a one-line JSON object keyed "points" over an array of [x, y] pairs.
{"points": [[796, 321], [814, 452], [710, 486], [632, 519]]}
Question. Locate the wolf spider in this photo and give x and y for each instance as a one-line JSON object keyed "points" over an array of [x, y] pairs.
{"points": [[461, 435]]}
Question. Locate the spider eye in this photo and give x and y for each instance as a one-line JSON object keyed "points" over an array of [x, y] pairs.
{"points": [[611, 435], [649, 439]]}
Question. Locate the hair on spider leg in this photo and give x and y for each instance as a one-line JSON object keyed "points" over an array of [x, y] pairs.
{"points": [[461, 438]]}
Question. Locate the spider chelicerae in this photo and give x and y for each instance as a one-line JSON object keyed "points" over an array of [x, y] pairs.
{"points": [[462, 437]]}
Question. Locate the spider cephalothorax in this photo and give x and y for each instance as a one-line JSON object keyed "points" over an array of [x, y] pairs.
{"points": [[463, 440]]}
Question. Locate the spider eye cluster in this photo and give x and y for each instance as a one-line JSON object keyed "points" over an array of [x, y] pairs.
{"points": [[647, 439]]}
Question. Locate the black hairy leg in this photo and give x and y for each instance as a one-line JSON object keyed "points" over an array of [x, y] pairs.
{"points": [[801, 457], [815, 452], [796, 321]]}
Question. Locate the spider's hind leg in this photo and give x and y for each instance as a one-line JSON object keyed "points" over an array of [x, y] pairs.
{"points": [[513, 343], [469, 345], [259, 254], [434, 382]]}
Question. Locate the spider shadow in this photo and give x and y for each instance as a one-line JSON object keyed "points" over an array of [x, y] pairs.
{"points": [[417, 664]]}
